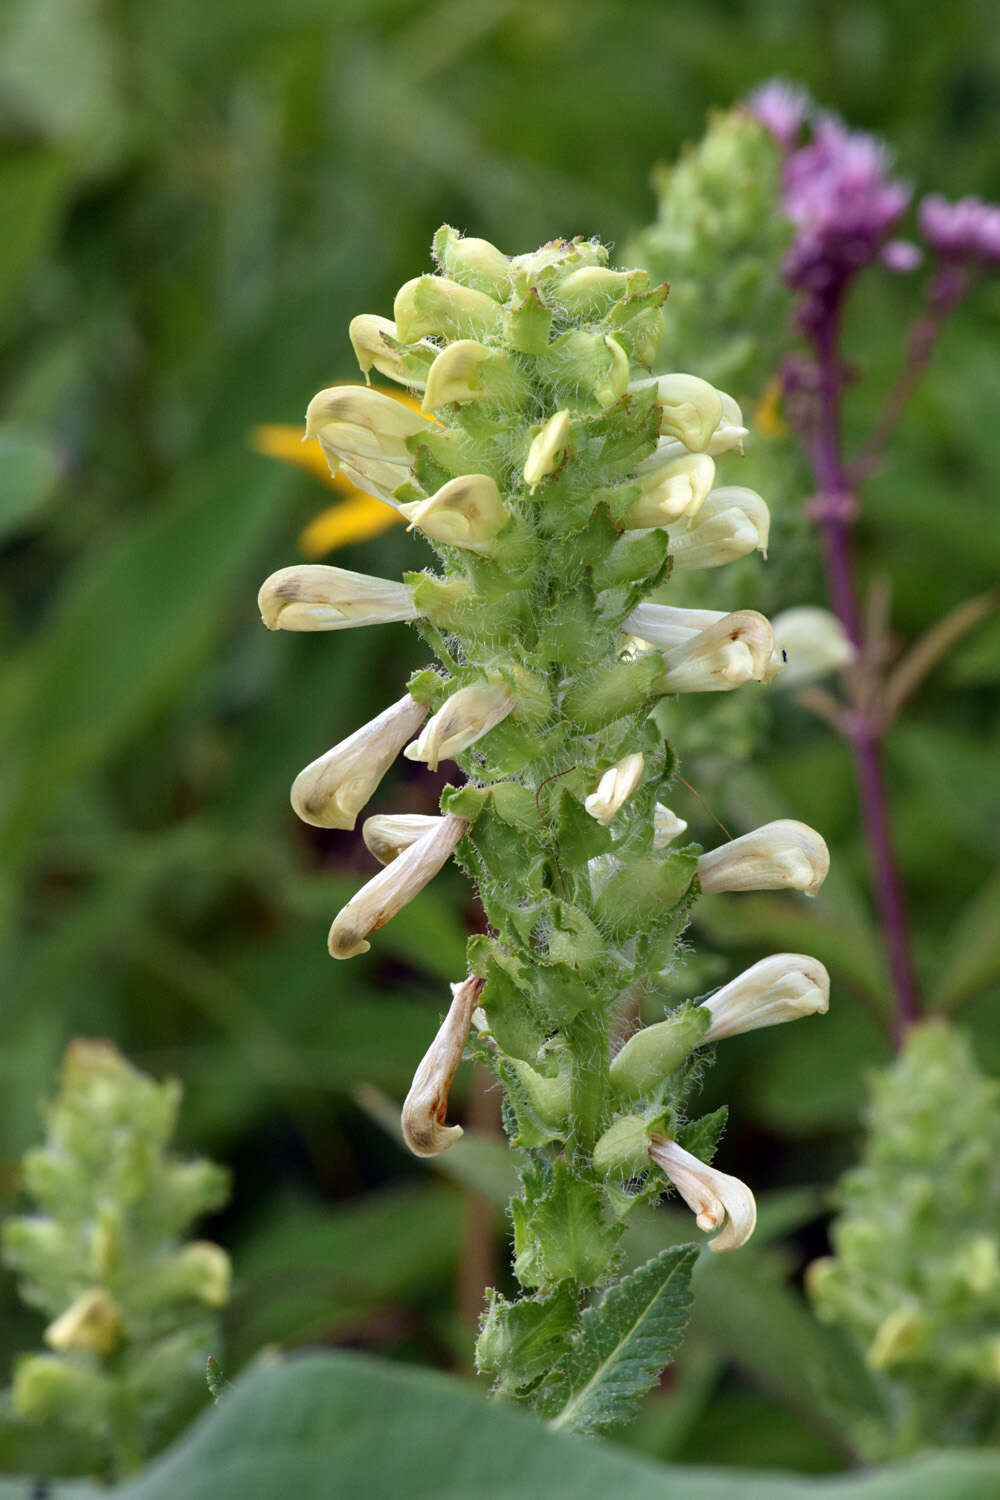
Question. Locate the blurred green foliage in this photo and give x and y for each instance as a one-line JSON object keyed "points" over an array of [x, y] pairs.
{"points": [[195, 200]]}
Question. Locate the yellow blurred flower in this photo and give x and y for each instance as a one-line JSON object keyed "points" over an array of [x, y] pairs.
{"points": [[355, 517]]}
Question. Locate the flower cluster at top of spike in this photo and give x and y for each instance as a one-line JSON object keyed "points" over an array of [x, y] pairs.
{"points": [[838, 192], [558, 485]]}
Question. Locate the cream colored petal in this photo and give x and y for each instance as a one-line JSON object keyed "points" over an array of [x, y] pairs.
{"points": [[392, 888], [332, 790], [425, 1110]]}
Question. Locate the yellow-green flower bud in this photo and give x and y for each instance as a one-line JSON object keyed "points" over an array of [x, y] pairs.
{"points": [[443, 308], [652, 1054], [547, 449], [92, 1325], [473, 262], [462, 720], [468, 371], [900, 1336], [615, 787], [623, 1149], [377, 345]]}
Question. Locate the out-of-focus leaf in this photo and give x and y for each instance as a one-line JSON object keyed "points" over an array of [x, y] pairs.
{"points": [[476, 1161], [30, 474], [304, 1275], [972, 959], [813, 1075], [137, 616], [33, 188], [380, 1431]]}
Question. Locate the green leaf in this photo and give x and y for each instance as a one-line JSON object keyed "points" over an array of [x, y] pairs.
{"points": [[624, 1343], [33, 191], [575, 1240], [521, 1340], [372, 1429], [581, 837], [972, 958], [702, 1137]]}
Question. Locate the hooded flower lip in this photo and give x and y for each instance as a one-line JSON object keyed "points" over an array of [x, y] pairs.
{"points": [[462, 720], [377, 345], [393, 888], [673, 486], [781, 988], [466, 512], [715, 1198], [690, 408], [332, 790], [667, 826], [615, 787], [365, 433], [386, 835], [732, 522], [734, 650], [425, 1110], [315, 596], [780, 855]]}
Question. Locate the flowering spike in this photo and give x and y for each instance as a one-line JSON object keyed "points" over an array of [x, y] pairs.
{"points": [[713, 1197], [393, 888], [781, 988], [333, 789], [314, 596], [426, 1106], [778, 855]]}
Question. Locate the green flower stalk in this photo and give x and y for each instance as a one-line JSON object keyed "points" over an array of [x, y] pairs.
{"points": [[915, 1273], [131, 1307], [559, 485]]}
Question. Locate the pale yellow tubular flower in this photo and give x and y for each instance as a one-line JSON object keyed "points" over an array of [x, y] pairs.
{"points": [[691, 409], [614, 788], [715, 1198], [664, 625], [376, 344], [393, 888], [733, 651], [466, 512], [547, 449], [315, 596], [365, 434], [781, 988], [732, 522], [426, 1108], [673, 487], [462, 720], [666, 826], [333, 789], [780, 855], [92, 1325], [814, 643], [386, 835]]}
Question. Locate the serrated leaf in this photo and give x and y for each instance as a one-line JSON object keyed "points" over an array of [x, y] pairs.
{"points": [[512, 1016], [624, 1343], [702, 1137], [574, 1239], [521, 1340], [581, 837]]}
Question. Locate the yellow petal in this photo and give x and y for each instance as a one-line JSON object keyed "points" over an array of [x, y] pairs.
{"points": [[767, 416], [354, 519], [287, 445]]}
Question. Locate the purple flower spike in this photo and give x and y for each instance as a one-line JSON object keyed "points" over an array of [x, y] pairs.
{"points": [[966, 230], [838, 191], [782, 108]]}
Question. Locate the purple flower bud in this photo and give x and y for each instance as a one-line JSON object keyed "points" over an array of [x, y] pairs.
{"points": [[900, 256], [782, 108], [966, 230]]}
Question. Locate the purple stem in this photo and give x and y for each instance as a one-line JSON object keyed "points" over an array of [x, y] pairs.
{"points": [[834, 508]]}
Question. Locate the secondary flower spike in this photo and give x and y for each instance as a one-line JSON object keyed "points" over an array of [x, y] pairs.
{"points": [[715, 1198], [333, 789], [392, 888], [426, 1106], [784, 854], [781, 988], [314, 596]]}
